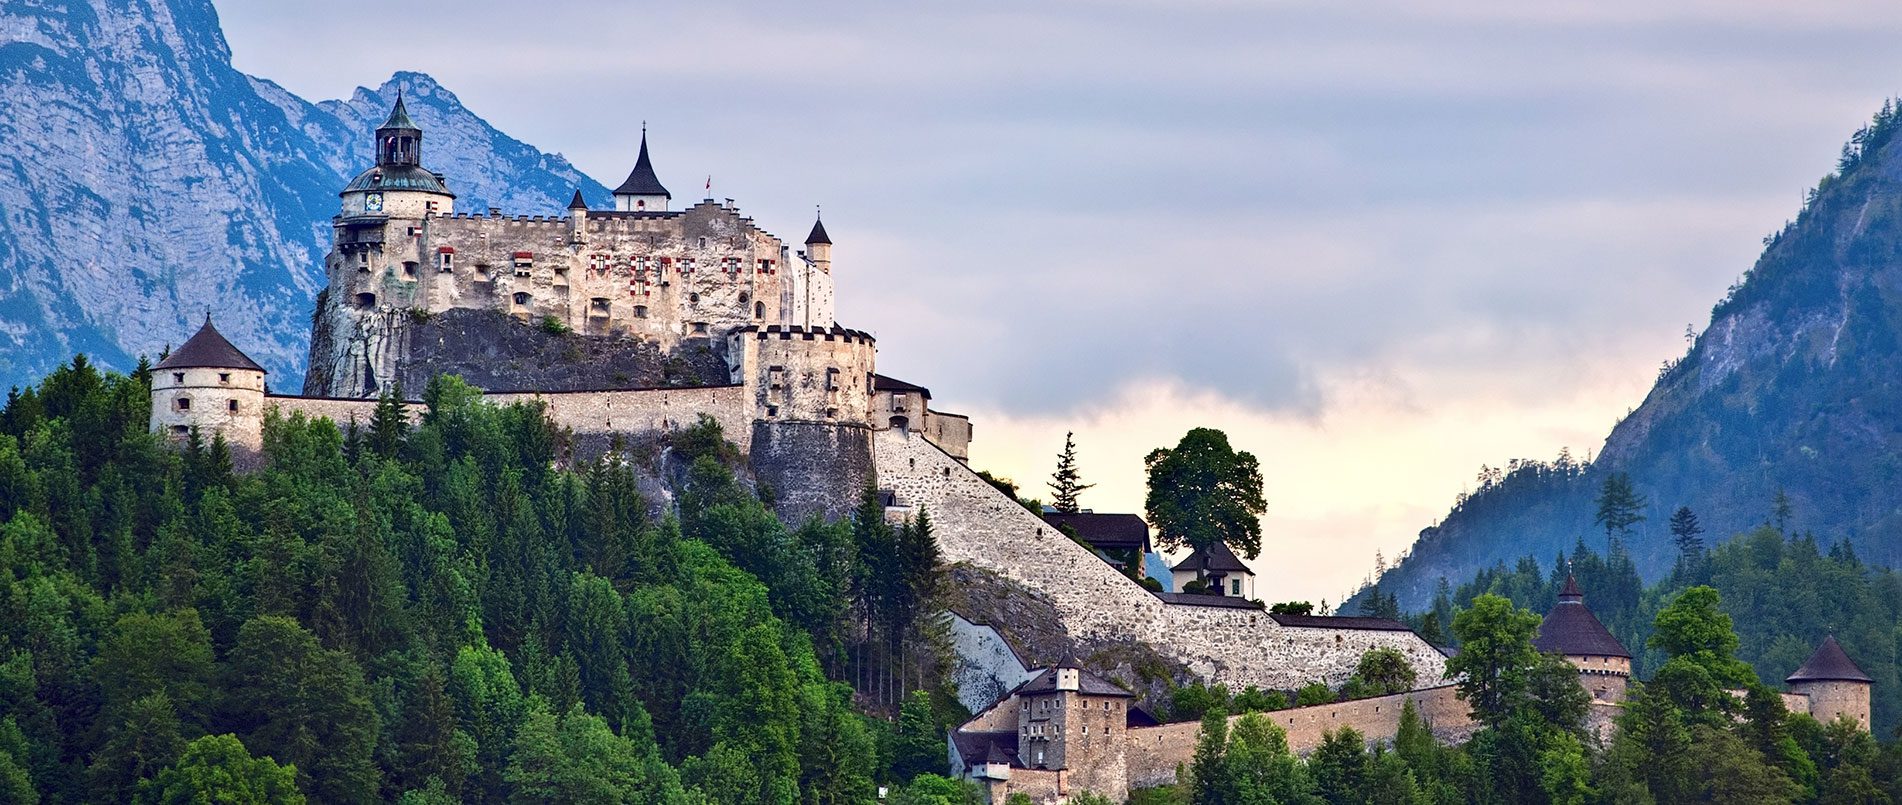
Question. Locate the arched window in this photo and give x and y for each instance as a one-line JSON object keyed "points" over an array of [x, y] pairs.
{"points": [[759, 310], [521, 298], [901, 424]]}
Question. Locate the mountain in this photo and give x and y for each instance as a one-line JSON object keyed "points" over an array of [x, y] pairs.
{"points": [[144, 180], [1792, 388]]}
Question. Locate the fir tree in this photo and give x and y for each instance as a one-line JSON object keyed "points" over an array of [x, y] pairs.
{"points": [[1066, 483], [1619, 507]]}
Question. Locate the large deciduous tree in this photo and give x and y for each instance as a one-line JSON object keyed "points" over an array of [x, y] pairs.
{"points": [[1203, 491]]}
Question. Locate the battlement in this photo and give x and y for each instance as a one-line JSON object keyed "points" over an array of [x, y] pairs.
{"points": [[791, 332]]}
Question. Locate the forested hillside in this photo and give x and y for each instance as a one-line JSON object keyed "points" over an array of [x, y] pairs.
{"points": [[1789, 391], [441, 613], [1783, 592]]}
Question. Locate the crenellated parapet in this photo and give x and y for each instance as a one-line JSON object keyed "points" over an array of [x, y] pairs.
{"points": [[805, 374]]}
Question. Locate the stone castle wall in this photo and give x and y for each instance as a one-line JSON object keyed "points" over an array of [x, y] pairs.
{"points": [[977, 524], [809, 469], [630, 411], [213, 400]]}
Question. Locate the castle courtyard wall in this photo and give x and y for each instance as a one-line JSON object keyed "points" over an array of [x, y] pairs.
{"points": [[977, 524]]}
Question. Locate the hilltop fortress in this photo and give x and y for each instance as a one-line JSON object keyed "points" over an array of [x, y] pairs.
{"points": [[636, 321]]}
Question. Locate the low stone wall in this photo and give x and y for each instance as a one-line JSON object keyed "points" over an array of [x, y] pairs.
{"points": [[628, 411], [1154, 753]]}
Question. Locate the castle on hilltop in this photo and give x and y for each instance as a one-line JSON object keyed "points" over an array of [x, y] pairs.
{"points": [[632, 322]]}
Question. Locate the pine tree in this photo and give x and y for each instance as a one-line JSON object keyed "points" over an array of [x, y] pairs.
{"points": [[1780, 510], [1619, 507], [1685, 530], [1066, 483]]}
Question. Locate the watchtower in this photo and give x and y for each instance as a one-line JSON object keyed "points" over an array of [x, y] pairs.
{"points": [[1835, 685], [1572, 631], [1072, 721], [209, 385]]}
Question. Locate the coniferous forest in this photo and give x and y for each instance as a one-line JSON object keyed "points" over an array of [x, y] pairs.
{"points": [[450, 611]]}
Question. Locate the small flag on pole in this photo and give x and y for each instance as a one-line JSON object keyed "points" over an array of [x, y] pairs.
{"points": [[709, 185]]}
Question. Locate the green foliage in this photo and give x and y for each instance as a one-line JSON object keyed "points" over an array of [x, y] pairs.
{"points": [[1619, 505], [931, 789], [1382, 671], [1202, 491], [554, 326], [1313, 693], [444, 611], [1066, 482], [216, 768], [1292, 608]]}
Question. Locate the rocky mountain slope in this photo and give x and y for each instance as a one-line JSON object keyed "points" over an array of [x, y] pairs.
{"points": [[1794, 386], [143, 180]]}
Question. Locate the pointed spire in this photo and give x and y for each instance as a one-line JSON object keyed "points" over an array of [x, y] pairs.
{"points": [[577, 204], [1571, 593], [818, 231], [207, 348], [399, 116], [642, 181]]}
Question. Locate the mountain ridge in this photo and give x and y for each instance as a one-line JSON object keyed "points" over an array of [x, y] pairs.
{"points": [[1787, 391], [147, 180]]}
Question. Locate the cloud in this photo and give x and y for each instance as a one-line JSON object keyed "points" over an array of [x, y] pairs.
{"points": [[1383, 241]]}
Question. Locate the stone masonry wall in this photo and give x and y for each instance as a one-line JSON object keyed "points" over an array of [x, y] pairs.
{"points": [[977, 524], [588, 412], [811, 469], [1155, 752], [986, 668]]}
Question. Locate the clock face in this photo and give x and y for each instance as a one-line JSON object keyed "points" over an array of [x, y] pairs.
{"points": [[373, 202]]}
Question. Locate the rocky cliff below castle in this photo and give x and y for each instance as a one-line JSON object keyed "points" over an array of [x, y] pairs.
{"points": [[144, 179]]}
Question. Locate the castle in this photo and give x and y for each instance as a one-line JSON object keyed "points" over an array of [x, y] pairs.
{"points": [[636, 321]]}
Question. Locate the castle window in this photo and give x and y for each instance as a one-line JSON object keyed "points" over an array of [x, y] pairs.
{"points": [[599, 305], [224, 377], [446, 261], [640, 311], [832, 413], [363, 261], [178, 377], [180, 430], [693, 299], [366, 300], [703, 243], [231, 405], [745, 297], [700, 327], [759, 310], [184, 403], [832, 380], [772, 410], [522, 298], [409, 269]]}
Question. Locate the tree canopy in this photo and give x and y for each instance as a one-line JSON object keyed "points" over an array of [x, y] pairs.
{"points": [[1202, 491]]}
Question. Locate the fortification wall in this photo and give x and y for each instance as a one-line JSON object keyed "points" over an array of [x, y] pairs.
{"points": [[1154, 753], [986, 667], [812, 469], [977, 524], [213, 400], [630, 411], [795, 374]]}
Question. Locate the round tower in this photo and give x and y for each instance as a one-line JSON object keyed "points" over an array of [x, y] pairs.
{"points": [[1573, 632], [642, 192], [210, 385], [577, 219], [1834, 684]]}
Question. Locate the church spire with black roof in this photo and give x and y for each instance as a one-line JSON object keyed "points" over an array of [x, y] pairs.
{"points": [[642, 191]]}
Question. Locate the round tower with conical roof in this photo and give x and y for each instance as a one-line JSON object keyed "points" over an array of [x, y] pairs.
{"points": [[1573, 632], [210, 386], [1835, 686]]}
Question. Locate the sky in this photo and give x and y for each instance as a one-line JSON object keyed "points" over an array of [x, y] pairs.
{"points": [[1378, 243]]}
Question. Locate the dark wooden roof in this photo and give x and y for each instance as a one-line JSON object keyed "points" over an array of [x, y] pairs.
{"points": [[641, 181], [1829, 664], [577, 204], [1121, 532], [207, 349], [1208, 600], [1340, 622], [978, 747], [1087, 683], [1212, 558], [818, 234], [1572, 630], [896, 386]]}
